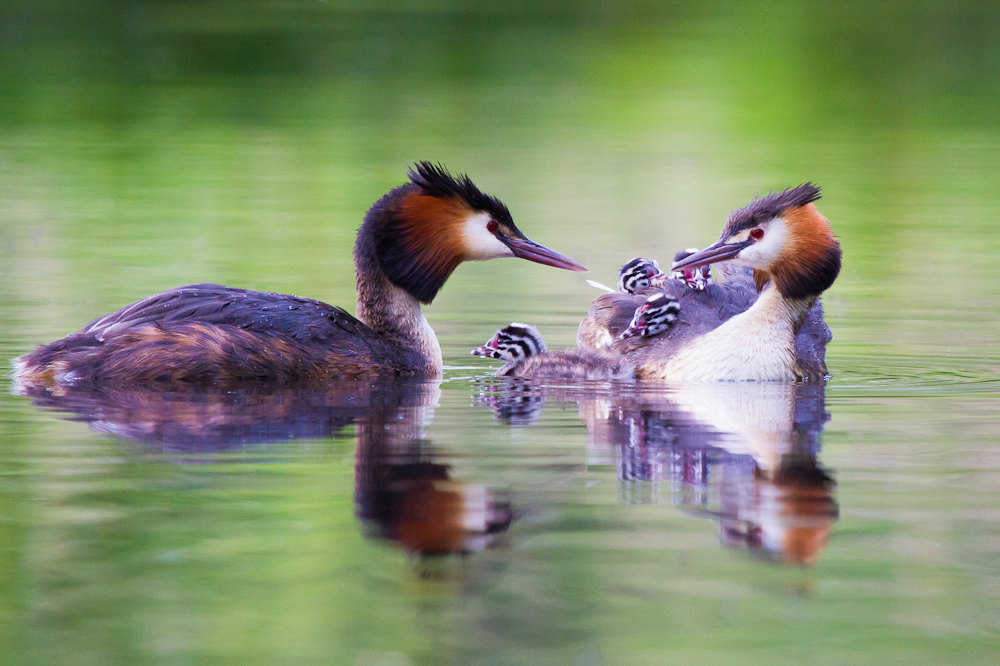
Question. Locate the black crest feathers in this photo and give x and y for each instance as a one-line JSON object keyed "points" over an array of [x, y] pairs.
{"points": [[436, 181], [769, 207]]}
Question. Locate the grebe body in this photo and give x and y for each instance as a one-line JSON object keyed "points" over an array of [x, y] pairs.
{"points": [[525, 354], [409, 243], [763, 322]]}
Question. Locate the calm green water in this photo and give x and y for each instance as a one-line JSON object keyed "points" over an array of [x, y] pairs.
{"points": [[472, 521]]}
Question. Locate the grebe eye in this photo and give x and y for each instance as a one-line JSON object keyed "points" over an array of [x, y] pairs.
{"points": [[492, 226], [757, 233]]}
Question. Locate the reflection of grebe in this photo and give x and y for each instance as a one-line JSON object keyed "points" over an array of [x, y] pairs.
{"points": [[741, 454], [402, 494], [523, 351], [410, 242], [728, 332], [787, 515]]}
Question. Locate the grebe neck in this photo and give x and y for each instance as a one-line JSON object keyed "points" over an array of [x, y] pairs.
{"points": [[393, 313], [755, 345]]}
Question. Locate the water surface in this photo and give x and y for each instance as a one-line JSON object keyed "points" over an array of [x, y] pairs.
{"points": [[474, 520]]}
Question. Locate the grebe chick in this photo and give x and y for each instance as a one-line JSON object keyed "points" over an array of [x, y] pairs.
{"points": [[638, 275], [409, 243], [525, 354], [696, 278], [763, 322], [653, 317]]}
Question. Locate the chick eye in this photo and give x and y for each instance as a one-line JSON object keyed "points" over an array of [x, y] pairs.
{"points": [[492, 226], [757, 233]]}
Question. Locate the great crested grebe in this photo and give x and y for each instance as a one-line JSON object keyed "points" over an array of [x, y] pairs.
{"points": [[409, 243], [764, 322], [523, 351]]}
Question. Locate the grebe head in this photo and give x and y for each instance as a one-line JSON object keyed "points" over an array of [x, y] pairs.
{"points": [[638, 275], [781, 236], [423, 230], [695, 278], [653, 317], [513, 344]]}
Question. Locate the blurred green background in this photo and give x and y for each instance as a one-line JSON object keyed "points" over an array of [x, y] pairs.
{"points": [[149, 144]]}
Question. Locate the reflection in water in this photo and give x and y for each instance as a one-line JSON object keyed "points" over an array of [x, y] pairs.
{"points": [[743, 454], [206, 420], [401, 493]]}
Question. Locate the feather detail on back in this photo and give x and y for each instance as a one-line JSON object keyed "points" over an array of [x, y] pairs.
{"points": [[201, 332]]}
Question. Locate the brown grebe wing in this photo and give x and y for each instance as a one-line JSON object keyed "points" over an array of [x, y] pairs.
{"points": [[211, 333], [302, 319]]}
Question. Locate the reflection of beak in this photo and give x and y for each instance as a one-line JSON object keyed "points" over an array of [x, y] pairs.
{"points": [[721, 251], [532, 251]]}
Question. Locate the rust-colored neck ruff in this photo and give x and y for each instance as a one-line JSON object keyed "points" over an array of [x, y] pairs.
{"points": [[812, 262], [407, 247], [419, 244]]}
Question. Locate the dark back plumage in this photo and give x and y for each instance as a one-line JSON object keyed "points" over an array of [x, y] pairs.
{"points": [[207, 332]]}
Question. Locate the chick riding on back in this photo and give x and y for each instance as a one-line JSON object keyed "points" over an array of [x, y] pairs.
{"points": [[763, 322]]}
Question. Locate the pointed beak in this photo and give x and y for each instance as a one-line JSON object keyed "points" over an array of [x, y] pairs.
{"points": [[631, 332], [711, 255], [532, 251], [636, 326], [487, 350], [656, 281]]}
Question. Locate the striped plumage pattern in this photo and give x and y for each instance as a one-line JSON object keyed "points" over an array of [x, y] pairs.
{"points": [[637, 275], [525, 355], [653, 317]]}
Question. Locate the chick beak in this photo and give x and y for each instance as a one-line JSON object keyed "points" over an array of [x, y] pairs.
{"points": [[532, 251], [488, 350], [657, 280], [636, 326], [721, 251]]}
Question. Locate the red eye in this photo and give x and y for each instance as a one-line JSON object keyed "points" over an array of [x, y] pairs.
{"points": [[492, 226], [757, 233]]}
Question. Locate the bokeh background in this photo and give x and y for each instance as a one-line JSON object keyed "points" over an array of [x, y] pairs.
{"points": [[149, 144]]}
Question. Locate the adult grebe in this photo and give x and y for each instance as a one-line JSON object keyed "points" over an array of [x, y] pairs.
{"points": [[524, 353], [764, 322], [409, 243]]}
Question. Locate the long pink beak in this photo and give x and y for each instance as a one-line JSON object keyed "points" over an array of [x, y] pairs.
{"points": [[532, 251], [711, 255]]}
